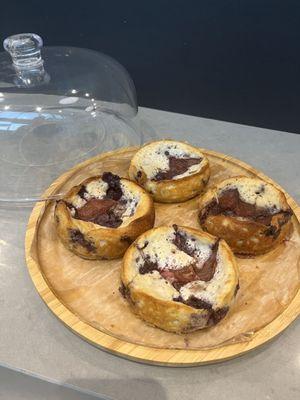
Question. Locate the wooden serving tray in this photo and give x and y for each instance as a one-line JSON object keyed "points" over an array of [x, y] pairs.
{"points": [[54, 271]]}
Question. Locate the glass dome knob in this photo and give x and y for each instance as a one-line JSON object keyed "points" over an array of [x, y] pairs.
{"points": [[25, 51]]}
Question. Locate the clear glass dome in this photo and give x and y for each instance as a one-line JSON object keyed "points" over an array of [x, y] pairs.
{"points": [[59, 106]]}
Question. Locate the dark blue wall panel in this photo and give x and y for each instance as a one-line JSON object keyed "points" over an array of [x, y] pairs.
{"points": [[232, 60]]}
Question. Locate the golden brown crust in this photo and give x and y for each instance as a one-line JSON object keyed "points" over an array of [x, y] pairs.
{"points": [[245, 236], [93, 241], [175, 316], [168, 315], [173, 190]]}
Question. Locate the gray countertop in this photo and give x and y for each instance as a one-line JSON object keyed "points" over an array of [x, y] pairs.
{"points": [[34, 341]]}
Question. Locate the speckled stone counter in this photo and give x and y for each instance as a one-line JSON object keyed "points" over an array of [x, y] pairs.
{"points": [[33, 340]]}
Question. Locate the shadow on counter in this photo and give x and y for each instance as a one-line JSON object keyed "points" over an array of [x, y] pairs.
{"points": [[15, 385]]}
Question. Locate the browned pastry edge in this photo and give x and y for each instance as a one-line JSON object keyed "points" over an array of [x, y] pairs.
{"points": [[250, 236], [173, 190]]}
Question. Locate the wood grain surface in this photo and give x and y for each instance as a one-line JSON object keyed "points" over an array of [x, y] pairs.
{"points": [[137, 352]]}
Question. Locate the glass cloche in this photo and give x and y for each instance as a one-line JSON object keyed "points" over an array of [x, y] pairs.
{"points": [[59, 106]]}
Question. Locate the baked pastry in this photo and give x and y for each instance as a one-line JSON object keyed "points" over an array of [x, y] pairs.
{"points": [[102, 216], [179, 279], [249, 213], [171, 171]]}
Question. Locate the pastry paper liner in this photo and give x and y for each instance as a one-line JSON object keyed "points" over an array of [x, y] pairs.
{"points": [[89, 289]]}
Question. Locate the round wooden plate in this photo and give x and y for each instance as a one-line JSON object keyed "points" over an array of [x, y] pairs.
{"points": [[167, 357]]}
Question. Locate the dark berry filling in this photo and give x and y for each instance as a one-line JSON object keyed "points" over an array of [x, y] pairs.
{"points": [[177, 166], [107, 211], [230, 204]]}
